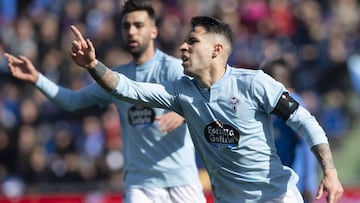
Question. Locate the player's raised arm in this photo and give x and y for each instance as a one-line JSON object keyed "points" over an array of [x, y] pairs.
{"points": [[83, 53]]}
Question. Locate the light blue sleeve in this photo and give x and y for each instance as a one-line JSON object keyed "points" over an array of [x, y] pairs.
{"points": [[71, 100], [267, 91], [307, 126], [157, 95], [311, 121]]}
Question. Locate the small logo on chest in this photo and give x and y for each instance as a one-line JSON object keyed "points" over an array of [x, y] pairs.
{"points": [[234, 102]]}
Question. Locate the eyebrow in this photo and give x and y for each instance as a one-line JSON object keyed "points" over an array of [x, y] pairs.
{"points": [[136, 23]]}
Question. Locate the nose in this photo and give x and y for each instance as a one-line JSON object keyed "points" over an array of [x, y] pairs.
{"points": [[183, 47], [131, 30]]}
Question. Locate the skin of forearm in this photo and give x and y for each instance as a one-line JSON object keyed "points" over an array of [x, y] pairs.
{"points": [[105, 77], [324, 156]]}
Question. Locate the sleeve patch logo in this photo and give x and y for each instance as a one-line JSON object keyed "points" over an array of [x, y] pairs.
{"points": [[141, 117], [222, 136]]}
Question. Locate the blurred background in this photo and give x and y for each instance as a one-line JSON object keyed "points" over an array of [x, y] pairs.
{"points": [[45, 150]]}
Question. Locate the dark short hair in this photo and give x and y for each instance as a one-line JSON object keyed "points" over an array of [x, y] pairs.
{"points": [[214, 25], [138, 5]]}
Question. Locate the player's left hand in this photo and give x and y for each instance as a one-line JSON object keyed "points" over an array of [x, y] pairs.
{"points": [[330, 184], [169, 122]]}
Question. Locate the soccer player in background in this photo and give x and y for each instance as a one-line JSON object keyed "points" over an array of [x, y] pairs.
{"points": [[159, 154]]}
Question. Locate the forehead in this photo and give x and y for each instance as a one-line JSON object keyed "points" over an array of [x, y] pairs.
{"points": [[197, 31], [136, 16]]}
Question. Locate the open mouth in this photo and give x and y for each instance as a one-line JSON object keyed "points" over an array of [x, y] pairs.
{"points": [[133, 43], [184, 58]]}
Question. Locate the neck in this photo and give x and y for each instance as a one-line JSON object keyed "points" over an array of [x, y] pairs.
{"points": [[144, 56], [212, 76]]}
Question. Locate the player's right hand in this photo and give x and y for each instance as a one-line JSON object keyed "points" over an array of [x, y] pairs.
{"points": [[22, 68], [82, 51]]}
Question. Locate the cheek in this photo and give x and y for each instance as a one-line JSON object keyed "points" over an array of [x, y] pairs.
{"points": [[204, 56], [145, 36], [206, 51]]}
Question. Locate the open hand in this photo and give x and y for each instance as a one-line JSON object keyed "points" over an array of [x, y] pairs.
{"points": [[332, 186], [22, 68]]}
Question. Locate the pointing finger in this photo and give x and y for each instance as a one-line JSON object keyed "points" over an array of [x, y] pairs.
{"points": [[78, 35], [12, 58]]}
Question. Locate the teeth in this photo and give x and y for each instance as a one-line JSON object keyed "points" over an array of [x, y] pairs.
{"points": [[184, 58]]}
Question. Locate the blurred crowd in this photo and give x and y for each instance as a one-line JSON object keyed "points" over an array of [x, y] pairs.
{"points": [[41, 143]]}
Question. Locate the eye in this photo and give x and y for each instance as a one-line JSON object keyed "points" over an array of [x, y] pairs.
{"points": [[139, 25], [191, 41]]}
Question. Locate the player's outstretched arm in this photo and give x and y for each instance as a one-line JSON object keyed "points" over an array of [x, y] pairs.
{"points": [[22, 68], [83, 54], [330, 182]]}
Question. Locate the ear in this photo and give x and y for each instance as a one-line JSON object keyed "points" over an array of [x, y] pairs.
{"points": [[217, 50], [154, 32]]}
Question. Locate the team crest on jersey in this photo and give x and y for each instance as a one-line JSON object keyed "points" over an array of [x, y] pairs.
{"points": [[221, 136], [234, 102]]}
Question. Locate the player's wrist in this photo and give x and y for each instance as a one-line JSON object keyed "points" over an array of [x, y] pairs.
{"points": [[35, 77], [97, 71], [330, 172], [91, 65]]}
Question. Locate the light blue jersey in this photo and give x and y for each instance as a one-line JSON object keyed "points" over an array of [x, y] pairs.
{"points": [[231, 127], [152, 159]]}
